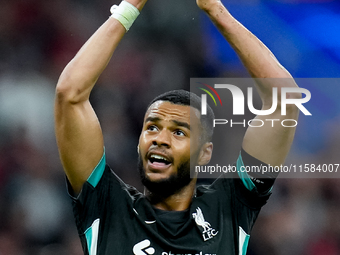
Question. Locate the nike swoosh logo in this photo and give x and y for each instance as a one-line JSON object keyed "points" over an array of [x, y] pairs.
{"points": [[150, 221]]}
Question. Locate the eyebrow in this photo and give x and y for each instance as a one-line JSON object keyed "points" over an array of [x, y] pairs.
{"points": [[178, 123], [181, 124]]}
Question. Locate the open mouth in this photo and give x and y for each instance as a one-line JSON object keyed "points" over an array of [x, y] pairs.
{"points": [[158, 159], [158, 162]]}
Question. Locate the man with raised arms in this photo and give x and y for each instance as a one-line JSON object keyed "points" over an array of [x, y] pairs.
{"points": [[173, 216]]}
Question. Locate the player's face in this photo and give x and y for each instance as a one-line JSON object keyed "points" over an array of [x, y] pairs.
{"points": [[164, 144]]}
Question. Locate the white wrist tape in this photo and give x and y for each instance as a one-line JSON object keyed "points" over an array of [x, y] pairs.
{"points": [[125, 13]]}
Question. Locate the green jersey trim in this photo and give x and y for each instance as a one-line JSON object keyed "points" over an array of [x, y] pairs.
{"points": [[243, 241], [91, 235], [242, 173], [97, 173]]}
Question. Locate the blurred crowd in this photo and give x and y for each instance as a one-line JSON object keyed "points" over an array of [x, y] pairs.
{"points": [[161, 52]]}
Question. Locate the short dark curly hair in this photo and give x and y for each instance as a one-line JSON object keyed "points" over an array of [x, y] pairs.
{"points": [[183, 97]]}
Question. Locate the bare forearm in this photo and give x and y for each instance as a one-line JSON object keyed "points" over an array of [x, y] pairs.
{"points": [[256, 57], [80, 75]]}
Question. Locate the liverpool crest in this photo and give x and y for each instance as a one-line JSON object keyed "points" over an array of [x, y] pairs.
{"points": [[207, 231]]}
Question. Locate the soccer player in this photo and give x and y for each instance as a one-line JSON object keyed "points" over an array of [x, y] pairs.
{"points": [[173, 216]]}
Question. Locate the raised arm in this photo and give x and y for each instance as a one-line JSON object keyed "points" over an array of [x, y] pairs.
{"points": [[78, 132], [271, 142]]}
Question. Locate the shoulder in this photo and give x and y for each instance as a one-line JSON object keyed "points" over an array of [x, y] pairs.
{"points": [[104, 184], [251, 189]]}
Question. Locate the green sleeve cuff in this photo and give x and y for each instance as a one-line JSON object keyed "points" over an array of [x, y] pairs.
{"points": [[242, 173], [97, 173]]}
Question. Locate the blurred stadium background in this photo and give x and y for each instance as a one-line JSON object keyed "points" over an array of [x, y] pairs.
{"points": [[170, 42]]}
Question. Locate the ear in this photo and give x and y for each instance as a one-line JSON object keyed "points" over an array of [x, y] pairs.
{"points": [[138, 149], [205, 154]]}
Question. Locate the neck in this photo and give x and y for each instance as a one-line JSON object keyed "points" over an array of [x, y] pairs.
{"points": [[178, 201]]}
